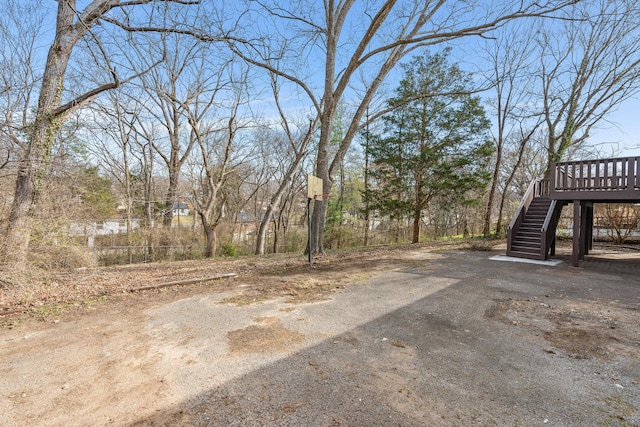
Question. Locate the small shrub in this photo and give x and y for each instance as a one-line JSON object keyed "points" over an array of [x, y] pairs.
{"points": [[231, 250]]}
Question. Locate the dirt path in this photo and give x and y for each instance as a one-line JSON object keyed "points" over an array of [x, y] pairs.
{"points": [[395, 337]]}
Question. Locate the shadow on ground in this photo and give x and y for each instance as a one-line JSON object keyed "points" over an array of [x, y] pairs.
{"points": [[451, 359]]}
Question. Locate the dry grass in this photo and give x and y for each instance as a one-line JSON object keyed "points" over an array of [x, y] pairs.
{"points": [[288, 276]]}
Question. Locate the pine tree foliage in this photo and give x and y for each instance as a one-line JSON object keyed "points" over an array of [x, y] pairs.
{"points": [[434, 148]]}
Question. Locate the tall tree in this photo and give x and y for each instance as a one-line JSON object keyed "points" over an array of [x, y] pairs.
{"points": [[56, 103], [115, 122], [510, 57], [220, 155], [21, 24], [434, 148], [327, 47], [297, 141], [173, 88]]}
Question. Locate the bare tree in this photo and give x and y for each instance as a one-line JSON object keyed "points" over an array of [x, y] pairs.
{"points": [[171, 87], [521, 162], [510, 57], [20, 26], [115, 137], [297, 150], [283, 153], [589, 65], [220, 154], [332, 46], [144, 154], [55, 105]]}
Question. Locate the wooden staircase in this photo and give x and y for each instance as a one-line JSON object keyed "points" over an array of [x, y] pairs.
{"points": [[527, 241], [531, 233], [583, 183]]}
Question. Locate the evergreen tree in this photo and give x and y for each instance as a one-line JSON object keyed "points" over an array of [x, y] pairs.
{"points": [[433, 148], [94, 193]]}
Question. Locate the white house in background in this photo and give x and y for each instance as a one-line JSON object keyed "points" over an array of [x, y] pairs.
{"points": [[181, 209], [102, 228]]}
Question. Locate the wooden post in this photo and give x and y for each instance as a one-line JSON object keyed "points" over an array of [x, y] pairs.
{"points": [[632, 174], [583, 229], [309, 229], [575, 253], [589, 246]]}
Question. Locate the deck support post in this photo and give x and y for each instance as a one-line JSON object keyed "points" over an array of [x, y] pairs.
{"points": [[589, 225], [582, 230], [575, 253]]}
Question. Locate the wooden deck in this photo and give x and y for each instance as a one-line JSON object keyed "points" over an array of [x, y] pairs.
{"points": [[602, 180], [531, 234]]}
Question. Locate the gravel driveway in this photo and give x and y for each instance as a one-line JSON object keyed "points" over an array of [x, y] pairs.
{"points": [[437, 338]]}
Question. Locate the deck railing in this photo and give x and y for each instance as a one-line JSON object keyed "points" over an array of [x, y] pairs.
{"points": [[615, 179]]}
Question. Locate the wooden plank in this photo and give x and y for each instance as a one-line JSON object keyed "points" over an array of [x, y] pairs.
{"points": [[183, 282]]}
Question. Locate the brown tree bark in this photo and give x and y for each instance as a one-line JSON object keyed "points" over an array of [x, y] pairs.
{"points": [[46, 124], [71, 26]]}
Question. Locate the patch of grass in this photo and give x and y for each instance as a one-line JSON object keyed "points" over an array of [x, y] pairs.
{"points": [[622, 410], [52, 311]]}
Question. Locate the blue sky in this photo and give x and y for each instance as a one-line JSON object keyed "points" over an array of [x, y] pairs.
{"points": [[622, 129], [618, 135]]}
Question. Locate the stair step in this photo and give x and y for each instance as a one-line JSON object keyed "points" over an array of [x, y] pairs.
{"points": [[530, 222], [539, 222], [530, 228], [528, 249], [527, 255], [526, 243], [527, 240], [525, 249], [530, 253]]}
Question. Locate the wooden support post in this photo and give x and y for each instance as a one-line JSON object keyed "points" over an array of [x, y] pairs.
{"points": [[575, 253], [583, 229], [589, 228]]}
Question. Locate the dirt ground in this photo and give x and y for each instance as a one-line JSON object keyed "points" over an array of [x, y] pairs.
{"points": [[410, 336]]}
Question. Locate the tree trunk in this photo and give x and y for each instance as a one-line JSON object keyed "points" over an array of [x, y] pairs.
{"points": [[416, 226], [509, 180], [209, 234], [277, 196], [275, 237], [34, 163], [486, 229], [18, 229], [172, 192], [322, 171], [367, 214]]}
